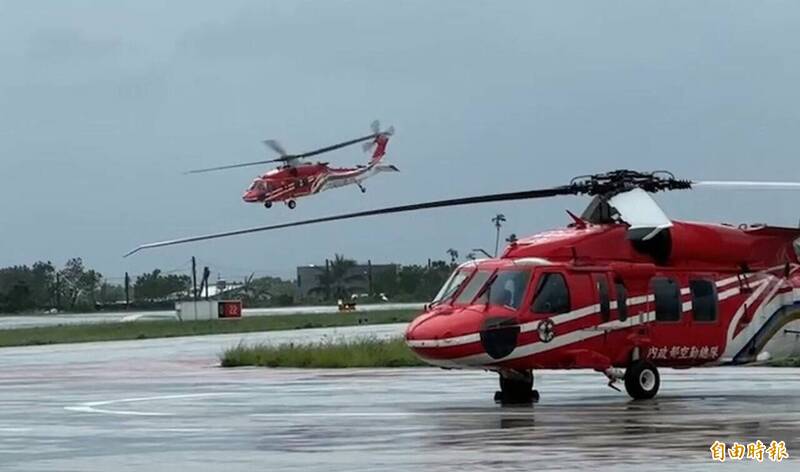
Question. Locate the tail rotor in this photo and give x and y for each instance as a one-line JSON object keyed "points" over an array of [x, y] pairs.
{"points": [[379, 136]]}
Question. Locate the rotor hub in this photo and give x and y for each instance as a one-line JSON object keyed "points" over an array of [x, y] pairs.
{"points": [[622, 180]]}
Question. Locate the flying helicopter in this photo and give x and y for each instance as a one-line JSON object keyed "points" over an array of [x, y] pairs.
{"points": [[622, 289], [294, 178]]}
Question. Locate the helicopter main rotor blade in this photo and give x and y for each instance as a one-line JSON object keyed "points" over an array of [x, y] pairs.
{"points": [[232, 166], [337, 146], [276, 146], [746, 184], [496, 197]]}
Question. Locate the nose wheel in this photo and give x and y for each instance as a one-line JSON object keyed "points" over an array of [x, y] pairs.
{"points": [[267, 204], [516, 388]]}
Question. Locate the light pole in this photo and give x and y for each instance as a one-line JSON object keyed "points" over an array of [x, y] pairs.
{"points": [[498, 223]]}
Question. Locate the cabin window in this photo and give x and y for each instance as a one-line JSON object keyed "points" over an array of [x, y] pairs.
{"points": [[605, 302], [552, 294], [475, 283], [667, 299], [704, 300], [622, 301]]}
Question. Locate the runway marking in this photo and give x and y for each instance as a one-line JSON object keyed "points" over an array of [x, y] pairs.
{"points": [[90, 407]]}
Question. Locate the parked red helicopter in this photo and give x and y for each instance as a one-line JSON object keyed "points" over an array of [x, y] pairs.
{"points": [[295, 179], [622, 290]]}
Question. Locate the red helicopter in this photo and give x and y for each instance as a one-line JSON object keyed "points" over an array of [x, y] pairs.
{"points": [[295, 179], [623, 290]]}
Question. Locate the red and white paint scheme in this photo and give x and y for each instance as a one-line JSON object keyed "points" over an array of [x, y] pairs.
{"points": [[588, 297], [295, 179], [623, 290], [291, 182]]}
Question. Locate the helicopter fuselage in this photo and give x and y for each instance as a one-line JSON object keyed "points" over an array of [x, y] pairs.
{"points": [[587, 297], [296, 180]]}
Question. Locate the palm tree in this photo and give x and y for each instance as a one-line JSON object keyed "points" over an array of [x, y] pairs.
{"points": [[453, 255], [498, 221], [338, 275]]}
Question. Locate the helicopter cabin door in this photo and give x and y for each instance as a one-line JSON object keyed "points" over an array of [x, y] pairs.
{"points": [[611, 307]]}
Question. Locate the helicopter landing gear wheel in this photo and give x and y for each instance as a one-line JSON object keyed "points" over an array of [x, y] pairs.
{"points": [[362, 188], [516, 388], [267, 204], [642, 380], [291, 204]]}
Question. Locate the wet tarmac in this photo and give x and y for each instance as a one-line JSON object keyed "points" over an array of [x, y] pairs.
{"points": [[164, 405], [30, 321]]}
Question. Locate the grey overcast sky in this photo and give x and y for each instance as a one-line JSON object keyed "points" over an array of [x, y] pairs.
{"points": [[103, 105]]}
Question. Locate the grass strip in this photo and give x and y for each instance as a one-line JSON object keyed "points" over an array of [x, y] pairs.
{"points": [[117, 331], [331, 353], [785, 362]]}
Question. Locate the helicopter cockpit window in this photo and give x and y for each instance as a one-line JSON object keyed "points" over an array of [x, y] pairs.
{"points": [[506, 289], [451, 286], [473, 286], [257, 184], [552, 294]]}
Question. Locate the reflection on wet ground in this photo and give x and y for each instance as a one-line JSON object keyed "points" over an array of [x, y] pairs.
{"points": [[157, 406]]}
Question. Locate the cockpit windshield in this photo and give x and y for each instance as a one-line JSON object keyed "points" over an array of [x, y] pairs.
{"points": [[451, 286], [259, 185], [506, 288], [473, 286]]}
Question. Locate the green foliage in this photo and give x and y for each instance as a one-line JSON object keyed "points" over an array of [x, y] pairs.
{"points": [[414, 282], [24, 288], [337, 276], [786, 362], [265, 291], [154, 286], [110, 293], [78, 286], [330, 353], [165, 329]]}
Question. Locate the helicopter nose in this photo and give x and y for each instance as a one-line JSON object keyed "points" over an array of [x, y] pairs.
{"points": [[462, 337], [251, 196]]}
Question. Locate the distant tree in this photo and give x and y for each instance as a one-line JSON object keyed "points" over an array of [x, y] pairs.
{"points": [[153, 286], [43, 284], [386, 282], [110, 293], [338, 277], [78, 285], [18, 298], [453, 255], [265, 291]]}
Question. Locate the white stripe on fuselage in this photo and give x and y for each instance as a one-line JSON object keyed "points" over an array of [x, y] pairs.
{"points": [[570, 316], [578, 335]]}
